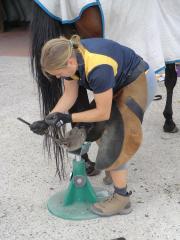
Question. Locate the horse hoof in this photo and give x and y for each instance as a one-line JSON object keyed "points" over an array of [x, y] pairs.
{"points": [[74, 139], [171, 130]]}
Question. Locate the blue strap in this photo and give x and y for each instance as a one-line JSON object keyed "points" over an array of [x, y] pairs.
{"points": [[134, 106]]}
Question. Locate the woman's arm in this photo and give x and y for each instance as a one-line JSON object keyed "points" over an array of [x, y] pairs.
{"points": [[68, 98], [100, 113]]}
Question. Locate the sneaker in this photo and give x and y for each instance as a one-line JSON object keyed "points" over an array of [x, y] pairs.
{"points": [[114, 205], [107, 180]]}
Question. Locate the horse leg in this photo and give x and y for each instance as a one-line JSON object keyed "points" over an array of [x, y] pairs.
{"points": [[170, 82], [88, 29]]}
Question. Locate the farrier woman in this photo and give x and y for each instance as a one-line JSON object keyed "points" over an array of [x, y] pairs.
{"points": [[123, 85]]}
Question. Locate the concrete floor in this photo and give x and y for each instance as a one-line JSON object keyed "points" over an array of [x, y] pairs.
{"points": [[15, 42], [28, 179]]}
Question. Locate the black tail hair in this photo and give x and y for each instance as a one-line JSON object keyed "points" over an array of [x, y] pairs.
{"points": [[42, 29]]}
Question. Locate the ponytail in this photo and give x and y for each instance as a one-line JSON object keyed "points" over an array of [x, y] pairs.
{"points": [[75, 41]]}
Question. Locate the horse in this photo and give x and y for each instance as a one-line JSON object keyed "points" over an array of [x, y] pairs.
{"points": [[90, 24]]}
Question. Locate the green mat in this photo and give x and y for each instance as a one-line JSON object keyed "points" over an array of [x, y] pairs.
{"points": [[77, 210]]}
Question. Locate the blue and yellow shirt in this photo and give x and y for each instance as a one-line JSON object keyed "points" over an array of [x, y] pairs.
{"points": [[105, 64]]}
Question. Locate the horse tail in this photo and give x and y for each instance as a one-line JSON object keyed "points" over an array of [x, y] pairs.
{"points": [[42, 29]]}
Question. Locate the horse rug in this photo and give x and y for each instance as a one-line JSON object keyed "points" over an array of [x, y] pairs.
{"points": [[149, 27]]}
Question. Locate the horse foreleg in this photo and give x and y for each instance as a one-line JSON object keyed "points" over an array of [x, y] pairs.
{"points": [[170, 82]]}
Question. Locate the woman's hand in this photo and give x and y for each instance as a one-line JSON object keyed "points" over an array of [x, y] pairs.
{"points": [[39, 127], [58, 119]]}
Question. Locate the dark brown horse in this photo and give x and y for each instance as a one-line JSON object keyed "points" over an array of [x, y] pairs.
{"points": [[44, 28]]}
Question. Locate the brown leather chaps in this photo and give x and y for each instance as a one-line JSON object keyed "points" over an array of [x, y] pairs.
{"points": [[123, 132]]}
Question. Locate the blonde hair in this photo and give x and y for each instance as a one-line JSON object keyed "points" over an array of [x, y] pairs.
{"points": [[56, 52]]}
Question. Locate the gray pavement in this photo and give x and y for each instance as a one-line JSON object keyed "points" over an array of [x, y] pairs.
{"points": [[27, 178]]}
